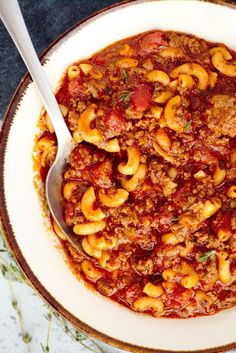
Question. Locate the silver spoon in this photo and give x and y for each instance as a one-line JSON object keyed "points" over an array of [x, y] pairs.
{"points": [[12, 18]]}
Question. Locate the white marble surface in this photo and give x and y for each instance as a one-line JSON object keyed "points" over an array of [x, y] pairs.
{"points": [[33, 311]]}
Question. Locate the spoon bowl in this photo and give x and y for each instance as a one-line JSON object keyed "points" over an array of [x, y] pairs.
{"points": [[53, 192]]}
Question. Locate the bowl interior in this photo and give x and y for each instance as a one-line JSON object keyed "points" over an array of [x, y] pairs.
{"points": [[36, 250]]}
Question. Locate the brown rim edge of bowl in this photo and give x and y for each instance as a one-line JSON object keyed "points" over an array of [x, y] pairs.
{"points": [[4, 217]]}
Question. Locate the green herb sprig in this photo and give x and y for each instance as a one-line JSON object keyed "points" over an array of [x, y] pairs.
{"points": [[207, 255], [188, 126], [26, 337], [125, 96], [124, 75]]}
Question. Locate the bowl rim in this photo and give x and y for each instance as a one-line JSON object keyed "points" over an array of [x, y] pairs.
{"points": [[6, 223]]}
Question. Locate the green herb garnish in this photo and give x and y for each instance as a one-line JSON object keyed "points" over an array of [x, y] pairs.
{"points": [[124, 75], [27, 338], [207, 255], [125, 96], [45, 349], [188, 125], [175, 218]]}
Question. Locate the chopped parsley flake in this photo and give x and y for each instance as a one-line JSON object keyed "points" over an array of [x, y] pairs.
{"points": [[124, 75], [188, 125], [125, 96], [207, 255]]}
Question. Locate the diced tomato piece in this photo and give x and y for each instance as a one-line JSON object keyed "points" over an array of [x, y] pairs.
{"points": [[99, 59], [62, 94], [99, 174], [44, 172], [150, 43], [141, 97], [202, 153], [178, 290], [114, 123], [233, 267], [222, 221], [76, 89], [180, 197], [73, 87]]}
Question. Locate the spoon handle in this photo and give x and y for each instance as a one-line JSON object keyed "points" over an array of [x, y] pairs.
{"points": [[12, 18]]}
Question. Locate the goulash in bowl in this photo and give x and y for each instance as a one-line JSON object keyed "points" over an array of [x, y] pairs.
{"points": [[150, 187]]}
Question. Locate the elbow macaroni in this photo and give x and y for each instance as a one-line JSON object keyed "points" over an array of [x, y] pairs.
{"points": [[58, 231], [89, 228], [126, 50], [220, 55], [210, 207], [224, 267], [223, 234], [115, 200], [170, 238], [132, 164], [90, 250], [221, 50], [153, 290], [105, 262], [219, 175], [186, 81], [212, 79], [231, 192], [112, 145], [162, 97], [85, 119], [68, 188], [158, 76], [102, 243], [89, 69], [190, 277], [48, 149], [170, 114], [126, 63], [87, 206], [156, 111], [163, 139], [194, 70], [169, 274], [169, 188], [90, 271], [162, 153], [223, 66], [134, 182], [73, 71], [148, 303]]}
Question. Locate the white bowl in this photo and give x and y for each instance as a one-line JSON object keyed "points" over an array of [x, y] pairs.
{"points": [[36, 251]]}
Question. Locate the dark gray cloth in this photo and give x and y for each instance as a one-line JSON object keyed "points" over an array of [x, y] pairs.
{"points": [[46, 20]]}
